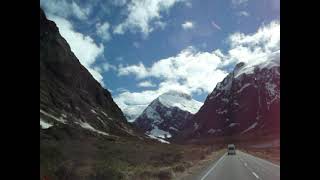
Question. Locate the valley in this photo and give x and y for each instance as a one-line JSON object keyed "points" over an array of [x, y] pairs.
{"points": [[85, 135]]}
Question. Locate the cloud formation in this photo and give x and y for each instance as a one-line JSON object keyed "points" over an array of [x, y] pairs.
{"points": [[239, 2], [146, 84], [103, 31], [243, 13], [187, 25], [193, 71], [65, 9], [144, 15]]}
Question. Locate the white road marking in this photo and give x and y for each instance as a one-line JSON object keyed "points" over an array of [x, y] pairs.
{"points": [[257, 158], [245, 164], [255, 175], [203, 177]]}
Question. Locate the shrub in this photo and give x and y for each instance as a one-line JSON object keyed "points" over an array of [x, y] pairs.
{"points": [[165, 175], [179, 168]]}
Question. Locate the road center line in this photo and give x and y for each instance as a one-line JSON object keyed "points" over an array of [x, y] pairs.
{"points": [[255, 175], [262, 160], [203, 177]]}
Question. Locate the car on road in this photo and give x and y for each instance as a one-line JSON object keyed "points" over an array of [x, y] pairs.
{"points": [[231, 149]]}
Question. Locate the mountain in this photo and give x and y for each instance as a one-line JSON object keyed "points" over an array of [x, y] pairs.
{"points": [[167, 115], [247, 101], [83, 133], [69, 95]]}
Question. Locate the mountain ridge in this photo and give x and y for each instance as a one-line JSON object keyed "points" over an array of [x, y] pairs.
{"points": [[227, 110], [167, 114], [68, 92]]}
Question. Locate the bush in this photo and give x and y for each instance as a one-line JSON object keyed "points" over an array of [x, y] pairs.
{"points": [[165, 175], [202, 157], [109, 174], [145, 175], [179, 168]]}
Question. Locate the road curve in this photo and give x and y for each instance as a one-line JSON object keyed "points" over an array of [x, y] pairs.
{"points": [[241, 166]]}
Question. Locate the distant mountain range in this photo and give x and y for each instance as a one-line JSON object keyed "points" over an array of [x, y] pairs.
{"points": [[85, 135], [247, 101], [167, 115]]}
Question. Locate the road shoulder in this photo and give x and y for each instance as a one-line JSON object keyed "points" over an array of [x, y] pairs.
{"points": [[200, 168]]}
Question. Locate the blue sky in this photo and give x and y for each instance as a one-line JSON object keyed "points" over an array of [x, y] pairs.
{"points": [[139, 49]]}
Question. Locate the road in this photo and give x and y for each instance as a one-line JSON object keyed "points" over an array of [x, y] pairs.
{"points": [[241, 166]]}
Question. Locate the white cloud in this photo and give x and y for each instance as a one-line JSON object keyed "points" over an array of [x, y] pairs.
{"points": [[160, 24], [122, 90], [139, 70], [142, 14], [65, 9], [243, 13], [103, 31], [84, 47], [127, 99], [239, 2], [193, 71], [146, 84], [120, 58], [255, 47], [190, 71], [215, 25], [107, 66], [267, 38], [187, 25], [188, 4]]}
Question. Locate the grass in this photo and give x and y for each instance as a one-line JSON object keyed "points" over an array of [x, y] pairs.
{"points": [[270, 154], [77, 154]]}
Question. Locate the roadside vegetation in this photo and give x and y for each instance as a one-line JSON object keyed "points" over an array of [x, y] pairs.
{"points": [[76, 154]]}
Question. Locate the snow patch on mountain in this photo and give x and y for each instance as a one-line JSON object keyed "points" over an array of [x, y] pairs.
{"points": [[271, 88], [249, 128], [211, 131], [174, 129], [151, 113], [44, 124], [60, 119], [159, 133], [243, 87], [86, 125], [196, 126], [234, 124], [159, 139]]}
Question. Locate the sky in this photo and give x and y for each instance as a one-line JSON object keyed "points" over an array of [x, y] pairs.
{"points": [[139, 49]]}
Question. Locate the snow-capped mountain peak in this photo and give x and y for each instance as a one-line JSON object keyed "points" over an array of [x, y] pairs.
{"points": [[267, 62], [246, 100], [166, 115], [181, 100]]}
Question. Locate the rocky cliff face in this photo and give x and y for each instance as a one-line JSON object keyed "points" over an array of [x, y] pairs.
{"points": [[68, 92], [167, 115], [246, 101]]}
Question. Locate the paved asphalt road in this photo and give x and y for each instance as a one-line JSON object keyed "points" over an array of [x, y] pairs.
{"points": [[241, 166]]}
